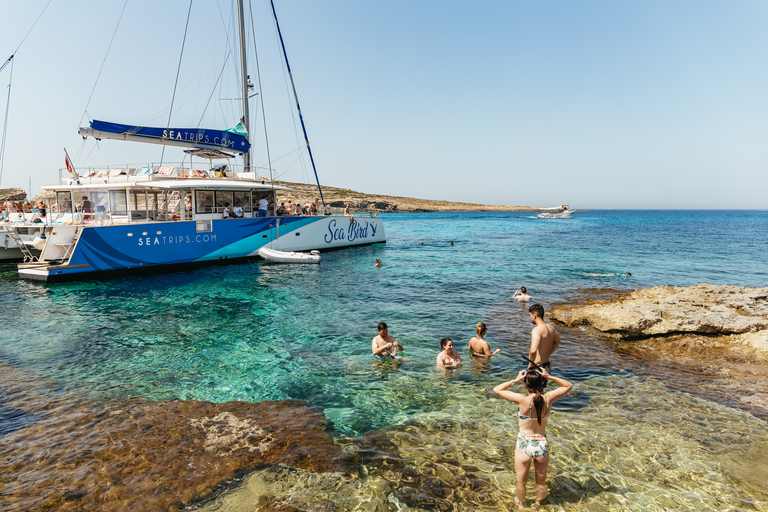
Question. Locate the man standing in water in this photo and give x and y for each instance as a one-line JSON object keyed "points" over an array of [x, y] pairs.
{"points": [[385, 345], [544, 338]]}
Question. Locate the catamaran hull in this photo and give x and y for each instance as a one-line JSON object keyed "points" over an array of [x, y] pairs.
{"points": [[84, 252]]}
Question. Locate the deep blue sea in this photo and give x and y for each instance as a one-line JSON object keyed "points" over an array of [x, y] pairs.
{"points": [[256, 331]]}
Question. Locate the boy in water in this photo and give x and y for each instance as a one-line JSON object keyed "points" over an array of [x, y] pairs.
{"points": [[385, 345]]}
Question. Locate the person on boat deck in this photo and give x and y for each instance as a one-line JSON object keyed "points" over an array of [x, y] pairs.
{"points": [[346, 210], [281, 209], [478, 347], [385, 345], [86, 207], [315, 206], [544, 338], [521, 294], [448, 358], [227, 211], [27, 206], [263, 204], [237, 211], [297, 210], [533, 414]]}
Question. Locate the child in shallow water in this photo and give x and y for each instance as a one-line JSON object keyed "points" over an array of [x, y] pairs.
{"points": [[448, 358], [533, 413]]}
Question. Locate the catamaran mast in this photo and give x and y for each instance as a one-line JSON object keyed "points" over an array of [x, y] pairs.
{"points": [[244, 71]]}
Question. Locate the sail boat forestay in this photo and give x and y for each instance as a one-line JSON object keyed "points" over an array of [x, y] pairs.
{"points": [[111, 221]]}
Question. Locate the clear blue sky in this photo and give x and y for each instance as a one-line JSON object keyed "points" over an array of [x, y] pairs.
{"points": [[600, 104]]}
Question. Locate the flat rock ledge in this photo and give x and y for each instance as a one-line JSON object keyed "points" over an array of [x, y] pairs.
{"points": [[710, 310], [66, 453]]}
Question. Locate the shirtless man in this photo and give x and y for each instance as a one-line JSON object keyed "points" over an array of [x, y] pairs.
{"points": [[385, 345], [544, 338]]}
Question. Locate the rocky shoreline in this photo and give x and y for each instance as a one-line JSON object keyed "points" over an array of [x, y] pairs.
{"points": [[718, 334], [738, 314]]}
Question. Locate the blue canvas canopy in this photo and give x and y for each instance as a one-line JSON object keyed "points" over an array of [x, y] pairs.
{"points": [[234, 139]]}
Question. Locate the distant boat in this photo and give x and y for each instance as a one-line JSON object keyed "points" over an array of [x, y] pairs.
{"points": [[558, 212]]}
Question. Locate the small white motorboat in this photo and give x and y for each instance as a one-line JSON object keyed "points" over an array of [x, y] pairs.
{"points": [[289, 256], [559, 212]]}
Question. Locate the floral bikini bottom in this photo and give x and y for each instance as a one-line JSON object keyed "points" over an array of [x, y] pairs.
{"points": [[535, 446]]}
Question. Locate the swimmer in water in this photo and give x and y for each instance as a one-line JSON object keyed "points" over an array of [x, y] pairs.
{"points": [[448, 358], [385, 345], [378, 263], [478, 347], [521, 294]]}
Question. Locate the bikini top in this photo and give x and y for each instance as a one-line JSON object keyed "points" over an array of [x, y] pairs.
{"points": [[533, 408]]}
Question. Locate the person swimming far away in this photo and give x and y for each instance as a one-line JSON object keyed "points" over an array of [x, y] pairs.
{"points": [[521, 294], [378, 263]]}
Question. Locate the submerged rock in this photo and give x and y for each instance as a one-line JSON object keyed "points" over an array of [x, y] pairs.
{"points": [[141, 455], [663, 310]]}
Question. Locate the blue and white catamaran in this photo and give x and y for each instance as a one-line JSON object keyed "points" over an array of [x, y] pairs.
{"points": [[168, 217]]}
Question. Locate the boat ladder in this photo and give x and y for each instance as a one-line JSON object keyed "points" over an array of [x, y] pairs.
{"points": [[20, 243]]}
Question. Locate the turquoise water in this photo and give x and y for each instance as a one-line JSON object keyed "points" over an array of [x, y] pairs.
{"points": [[262, 332], [257, 331]]}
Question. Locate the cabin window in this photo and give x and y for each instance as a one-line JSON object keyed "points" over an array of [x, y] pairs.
{"points": [[203, 201], [98, 201], [263, 194], [222, 198], [64, 202], [244, 198], [118, 202]]}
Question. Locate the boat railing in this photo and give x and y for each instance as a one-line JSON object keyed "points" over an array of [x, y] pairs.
{"points": [[150, 172]]}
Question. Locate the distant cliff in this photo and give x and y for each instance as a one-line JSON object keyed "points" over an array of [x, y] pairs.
{"points": [[337, 198]]}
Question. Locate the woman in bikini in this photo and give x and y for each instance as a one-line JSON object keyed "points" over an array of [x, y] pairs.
{"points": [[478, 347], [533, 413], [448, 358]]}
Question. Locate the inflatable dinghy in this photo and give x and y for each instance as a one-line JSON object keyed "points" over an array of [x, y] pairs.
{"points": [[289, 257]]}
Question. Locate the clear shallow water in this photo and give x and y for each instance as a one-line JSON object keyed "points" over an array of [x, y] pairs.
{"points": [[263, 332]]}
